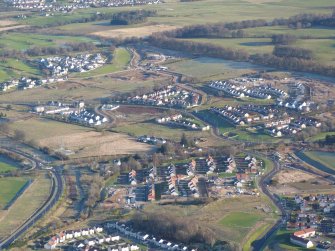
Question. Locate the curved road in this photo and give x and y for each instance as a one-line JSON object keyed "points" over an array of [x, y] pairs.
{"points": [[55, 194]]}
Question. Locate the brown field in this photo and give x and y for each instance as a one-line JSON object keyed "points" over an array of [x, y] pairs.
{"points": [[12, 27], [85, 144], [134, 32], [294, 181], [5, 23]]}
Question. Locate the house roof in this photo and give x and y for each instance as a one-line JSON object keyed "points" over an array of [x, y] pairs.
{"points": [[304, 231]]}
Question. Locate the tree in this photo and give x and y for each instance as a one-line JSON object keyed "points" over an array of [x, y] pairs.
{"points": [[168, 148], [8, 107], [19, 135]]}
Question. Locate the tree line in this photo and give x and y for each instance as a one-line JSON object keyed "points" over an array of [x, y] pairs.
{"points": [[132, 17], [280, 61], [235, 29], [295, 52], [92, 18], [179, 229], [40, 51]]}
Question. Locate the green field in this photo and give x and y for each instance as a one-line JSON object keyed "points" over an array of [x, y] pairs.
{"points": [[9, 186], [325, 158], [205, 69], [240, 220], [6, 167], [23, 41], [320, 136], [25, 205], [178, 13], [121, 59], [14, 68]]}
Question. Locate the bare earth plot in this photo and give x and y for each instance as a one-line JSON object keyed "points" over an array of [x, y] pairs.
{"points": [[5, 23], [294, 181], [134, 32], [12, 27]]}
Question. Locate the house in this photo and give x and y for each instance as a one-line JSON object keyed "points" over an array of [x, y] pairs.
{"points": [[305, 233], [69, 235], [98, 229], [115, 238], [91, 231], [52, 243], [305, 243], [85, 232], [90, 242], [76, 233]]}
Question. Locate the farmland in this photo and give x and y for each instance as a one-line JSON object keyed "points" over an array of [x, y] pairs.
{"points": [[81, 141]]}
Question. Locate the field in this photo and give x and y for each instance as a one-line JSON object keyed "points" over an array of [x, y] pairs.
{"points": [[325, 158], [23, 41], [290, 182], [223, 216], [9, 188], [5, 167], [177, 13], [25, 205], [14, 68], [240, 220], [143, 31], [81, 141], [86, 89], [121, 59], [205, 69]]}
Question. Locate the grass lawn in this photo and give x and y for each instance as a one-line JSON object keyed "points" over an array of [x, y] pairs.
{"points": [[325, 158], [240, 220], [9, 186]]}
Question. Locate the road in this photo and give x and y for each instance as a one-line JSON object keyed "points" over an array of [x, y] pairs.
{"points": [[55, 194], [263, 184]]}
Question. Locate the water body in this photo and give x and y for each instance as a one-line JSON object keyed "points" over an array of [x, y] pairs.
{"points": [[315, 163]]}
